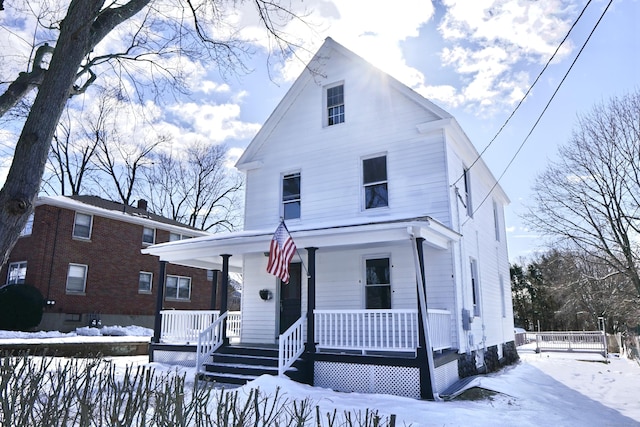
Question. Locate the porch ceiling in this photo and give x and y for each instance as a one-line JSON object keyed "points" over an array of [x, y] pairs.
{"points": [[205, 252]]}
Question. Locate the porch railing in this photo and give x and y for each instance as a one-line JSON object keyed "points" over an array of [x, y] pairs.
{"points": [[578, 341], [209, 340], [184, 326], [379, 330], [291, 345]]}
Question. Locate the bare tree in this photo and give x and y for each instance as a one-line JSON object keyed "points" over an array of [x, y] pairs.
{"points": [[196, 188], [589, 200], [160, 30]]}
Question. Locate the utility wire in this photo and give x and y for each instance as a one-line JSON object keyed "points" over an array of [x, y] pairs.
{"points": [[527, 93], [545, 108]]}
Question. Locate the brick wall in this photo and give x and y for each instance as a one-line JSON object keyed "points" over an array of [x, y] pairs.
{"points": [[114, 262]]}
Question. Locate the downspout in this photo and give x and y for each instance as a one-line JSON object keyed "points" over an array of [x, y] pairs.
{"points": [[422, 303]]}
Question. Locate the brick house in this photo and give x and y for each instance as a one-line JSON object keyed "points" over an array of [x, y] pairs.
{"points": [[83, 254]]}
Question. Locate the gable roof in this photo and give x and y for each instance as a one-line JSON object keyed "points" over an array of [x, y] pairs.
{"points": [[328, 50], [106, 208]]}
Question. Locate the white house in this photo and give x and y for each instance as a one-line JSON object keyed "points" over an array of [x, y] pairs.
{"points": [[399, 229]]}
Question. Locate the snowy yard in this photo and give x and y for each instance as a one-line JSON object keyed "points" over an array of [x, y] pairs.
{"points": [[551, 388]]}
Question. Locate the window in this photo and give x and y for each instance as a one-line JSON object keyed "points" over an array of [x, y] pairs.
{"points": [[496, 221], [374, 180], [291, 196], [177, 236], [467, 192], [17, 273], [76, 279], [82, 226], [28, 227], [475, 288], [378, 284], [335, 105], [178, 287], [502, 297], [148, 235], [144, 282]]}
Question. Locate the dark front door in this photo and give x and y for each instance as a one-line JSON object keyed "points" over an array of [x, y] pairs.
{"points": [[290, 297]]}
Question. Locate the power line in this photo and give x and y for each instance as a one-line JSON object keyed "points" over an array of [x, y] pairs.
{"points": [[545, 108], [527, 93]]}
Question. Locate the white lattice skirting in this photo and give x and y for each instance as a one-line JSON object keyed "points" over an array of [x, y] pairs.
{"points": [[446, 375], [180, 358], [347, 377]]}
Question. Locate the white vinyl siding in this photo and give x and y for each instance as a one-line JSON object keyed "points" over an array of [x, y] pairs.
{"points": [[17, 273], [76, 279], [82, 226]]}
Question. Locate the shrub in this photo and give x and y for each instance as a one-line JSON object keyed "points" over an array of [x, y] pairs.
{"points": [[20, 307]]}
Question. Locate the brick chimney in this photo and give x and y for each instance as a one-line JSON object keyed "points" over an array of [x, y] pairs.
{"points": [[142, 204]]}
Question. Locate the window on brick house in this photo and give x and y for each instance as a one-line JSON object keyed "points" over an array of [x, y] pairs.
{"points": [[148, 236], [177, 236], [178, 288], [76, 279], [82, 226], [144, 282], [17, 272], [28, 227]]}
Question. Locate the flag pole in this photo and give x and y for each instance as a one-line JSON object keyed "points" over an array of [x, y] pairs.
{"points": [[294, 242]]}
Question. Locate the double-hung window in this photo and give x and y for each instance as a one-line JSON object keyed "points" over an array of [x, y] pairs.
{"points": [[467, 192], [17, 273], [82, 226], [148, 235], [177, 236], [144, 282], [378, 283], [178, 288], [76, 279], [291, 196], [335, 105], [374, 180]]}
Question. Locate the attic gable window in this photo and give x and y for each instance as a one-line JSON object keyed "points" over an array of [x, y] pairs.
{"points": [[335, 105], [291, 196], [374, 180]]}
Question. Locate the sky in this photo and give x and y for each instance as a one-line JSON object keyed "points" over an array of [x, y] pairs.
{"points": [[549, 388], [474, 59]]}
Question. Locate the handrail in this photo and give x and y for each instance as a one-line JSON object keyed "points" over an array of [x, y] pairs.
{"points": [[209, 340], [291, 345]]}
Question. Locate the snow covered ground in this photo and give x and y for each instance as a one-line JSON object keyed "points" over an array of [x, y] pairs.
{"points": [[551, 388]]}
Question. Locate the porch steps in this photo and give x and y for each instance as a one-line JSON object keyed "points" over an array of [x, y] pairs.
{"points": [[240, 364]]}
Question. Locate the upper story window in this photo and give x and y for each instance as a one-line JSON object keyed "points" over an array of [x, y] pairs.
{"points": [[28, 227], [335, 105], [178, 287], [82, 226], [177, 236], [17, 273], [291, 196], [76, 279], [144, 282], [467, 191], [148, 235], [374, 180], [378, 283]]}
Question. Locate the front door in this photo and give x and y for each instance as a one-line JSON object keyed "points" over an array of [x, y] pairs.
{"points": [[290, 297]]}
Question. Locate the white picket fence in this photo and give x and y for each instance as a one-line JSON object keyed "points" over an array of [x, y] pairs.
{"points": [[572, 341]]}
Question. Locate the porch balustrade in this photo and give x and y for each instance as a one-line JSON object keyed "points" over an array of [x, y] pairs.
{"points": [[184, 326], [379, 330]]}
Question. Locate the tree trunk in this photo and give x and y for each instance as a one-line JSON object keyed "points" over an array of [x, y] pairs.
{"points": [[21, 188]]}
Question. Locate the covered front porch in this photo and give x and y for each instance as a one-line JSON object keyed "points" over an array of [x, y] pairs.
{"points": [[322, 332]]}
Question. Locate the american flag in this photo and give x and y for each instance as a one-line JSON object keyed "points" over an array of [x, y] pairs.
{"points": [[280, 253]]}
